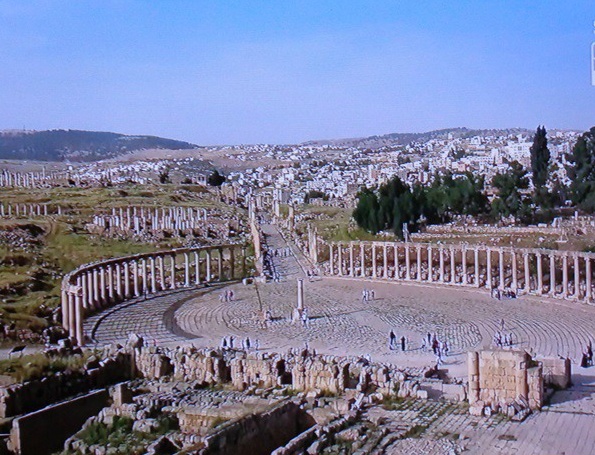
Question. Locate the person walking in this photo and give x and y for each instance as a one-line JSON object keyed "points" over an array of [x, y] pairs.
{"points": [[403, 340], [392, 340]]}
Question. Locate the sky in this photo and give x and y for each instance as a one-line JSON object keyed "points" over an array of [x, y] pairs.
{"points": [[276, 71]]}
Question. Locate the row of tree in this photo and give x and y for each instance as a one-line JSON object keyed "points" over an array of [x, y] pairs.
{"points": [[395, 203]]}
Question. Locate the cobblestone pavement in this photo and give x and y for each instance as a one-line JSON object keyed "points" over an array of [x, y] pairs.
{"points": [[342, 324]]}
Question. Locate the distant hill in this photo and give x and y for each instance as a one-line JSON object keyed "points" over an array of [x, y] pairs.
{"points": [[395, 139], [73, 145]]}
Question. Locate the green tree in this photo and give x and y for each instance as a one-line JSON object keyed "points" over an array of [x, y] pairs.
{"points": [[510, 200], [582, 171], [540, 161], [216, 179]]}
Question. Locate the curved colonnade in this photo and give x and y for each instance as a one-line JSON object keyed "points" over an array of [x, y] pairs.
{"points": [[95, 286], [559, 274]]}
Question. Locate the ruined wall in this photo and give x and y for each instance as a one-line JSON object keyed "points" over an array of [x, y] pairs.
{"points": [[500, 378], [259, 434], [44, 431]]}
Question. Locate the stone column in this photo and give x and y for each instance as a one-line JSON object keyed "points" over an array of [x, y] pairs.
{"points": [[208, 266], [374, 260], [153, 277], [588, 289], [418, 260], [407, 263], [501, 267], [489, 268], [577, 277], [145, 283], [220, 264], [441, 265], [231, 263], [476, 266], [197, 268], [453, 265], [71, 315], [515, 283], [161, 271], [430, 264], [565, 275], [96, 294], [172, 271], [539, 274], [351, 262], [473, 374], [102, 285], [110, 283], [135, 278], [300, 294], [340, 258], [186, 270], [385, 261], [85, 293], [78, 314], [331, 259], [527, 273], [464, 264], [552, 274], [362, 255], [65, 312], [396, 261], [126, 280]]}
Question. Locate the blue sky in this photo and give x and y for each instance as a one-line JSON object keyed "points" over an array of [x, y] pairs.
{"points": [[230, 72]]}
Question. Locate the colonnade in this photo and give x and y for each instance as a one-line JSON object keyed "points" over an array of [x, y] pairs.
{"points": [[10, 210], [99, 285], [560, 274], [26, 179]]}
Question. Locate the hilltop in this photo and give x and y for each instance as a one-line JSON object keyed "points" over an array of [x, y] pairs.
{"points": [[78, 146]]}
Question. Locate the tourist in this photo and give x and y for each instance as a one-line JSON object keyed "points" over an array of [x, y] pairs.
{"points": [[256, 344], [231, 342], [230, 295], [247, 343], [224, 343], [445, 348], [590, 354], [392, 339], [403, 343], [423, 343], [372, 294]]}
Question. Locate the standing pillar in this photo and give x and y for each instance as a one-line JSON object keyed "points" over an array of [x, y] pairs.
{"points": [[351, 263], [161, 271], [515, 284], [64, 310], [373, 260], [145, 283], [552, 275], [78, 314], [232, 274], [453, 265], [476, 267], [418, 259], [577, 277], [197, 268], [527, 273], [430, 265], [135, 278], [126, 280], [153, 277], [539, 274], [362, 255], [385, 261], [300, 294], [102, 285], [96, 295], [565, 275], [71, 315], [331, 259], [172, 271], [588, 290], [110, 283], [489, 268], [208, 266], [186, 270], [501, 267], [464, 264], [396, 251], [441, 265], [340, 258], [220, 264], [407, 263]]}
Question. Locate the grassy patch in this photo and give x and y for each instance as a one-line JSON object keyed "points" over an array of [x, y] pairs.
{"points": [[36, 366]]}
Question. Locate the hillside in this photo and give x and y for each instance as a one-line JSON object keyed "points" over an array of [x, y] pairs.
{"points": [[73, 145], [395, 139]]}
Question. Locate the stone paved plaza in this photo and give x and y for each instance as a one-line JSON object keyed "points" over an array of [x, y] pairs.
{"points": [[340, 323]]}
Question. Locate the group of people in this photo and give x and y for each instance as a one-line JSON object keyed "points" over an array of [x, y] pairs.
{"points": [[393, 344], [367, 295], [226, 296], [245, 344], [502, 340], [506, 294], [439, 347]]}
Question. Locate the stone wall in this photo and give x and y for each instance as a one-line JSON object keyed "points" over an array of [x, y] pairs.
{"points": [[44, 431], [500, 379]]}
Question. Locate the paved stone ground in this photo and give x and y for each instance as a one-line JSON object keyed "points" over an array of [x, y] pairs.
{"points": [[342, 324]]}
